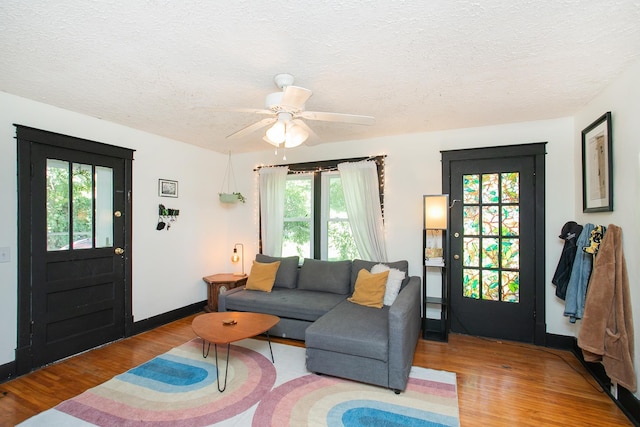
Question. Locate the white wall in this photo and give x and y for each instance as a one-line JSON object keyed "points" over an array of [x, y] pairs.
{"points": [[622, 98], [168, 266]]}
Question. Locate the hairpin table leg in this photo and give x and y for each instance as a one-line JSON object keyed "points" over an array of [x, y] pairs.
{"points": [[226, 372], [269, 340], [204, 355]]}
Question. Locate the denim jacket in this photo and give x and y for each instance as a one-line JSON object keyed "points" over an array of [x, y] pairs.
{"points": [[580, 273]]}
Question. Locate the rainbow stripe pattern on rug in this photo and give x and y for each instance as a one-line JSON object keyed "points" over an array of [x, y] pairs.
{"points": [[305, 400], [179, 388]]}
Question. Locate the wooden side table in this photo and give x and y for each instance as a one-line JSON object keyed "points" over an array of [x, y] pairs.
{"points": [[217, 283]]}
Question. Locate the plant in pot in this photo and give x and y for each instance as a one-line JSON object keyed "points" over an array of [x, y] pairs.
{"points": [[229, 196], [232, 197]]}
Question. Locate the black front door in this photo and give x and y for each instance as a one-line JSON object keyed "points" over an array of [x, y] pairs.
{"points": [[494, 262], [78, 282]]}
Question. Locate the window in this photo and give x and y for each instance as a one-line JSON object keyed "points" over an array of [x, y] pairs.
{"points": [[302, 220], [337, 241], [316, 223], [297, 236]]}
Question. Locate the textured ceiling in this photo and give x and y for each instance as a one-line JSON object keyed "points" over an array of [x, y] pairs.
{"points": [[167, 67]]}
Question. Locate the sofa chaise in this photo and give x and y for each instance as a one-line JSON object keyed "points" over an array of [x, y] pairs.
{"points": [[342, 338]]}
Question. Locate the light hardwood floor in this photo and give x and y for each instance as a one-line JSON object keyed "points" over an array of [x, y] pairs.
{"points": [[499, 383]]}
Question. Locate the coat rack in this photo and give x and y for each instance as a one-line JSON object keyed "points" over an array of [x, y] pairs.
{"points": [[166, 217]]}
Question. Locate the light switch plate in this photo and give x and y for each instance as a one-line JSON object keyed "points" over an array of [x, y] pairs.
{"points": [[5, 254]]}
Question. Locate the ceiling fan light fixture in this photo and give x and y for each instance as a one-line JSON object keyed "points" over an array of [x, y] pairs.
{"points": [[295, 136], [276, 133]]}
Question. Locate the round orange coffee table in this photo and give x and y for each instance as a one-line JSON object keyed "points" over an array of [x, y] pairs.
{"points": [[229, 326]]}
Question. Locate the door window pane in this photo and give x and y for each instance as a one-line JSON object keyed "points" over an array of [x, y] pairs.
{"points": [[104, 207], [490, 253], [57, 205], [490, 285], [511, 286], [471, 252], [490, 220], [471, 190], [510, 220], [495, 245], [470, 283], [510, 187], [510, 253], [82, 196], [490, 188], [471, 220]]}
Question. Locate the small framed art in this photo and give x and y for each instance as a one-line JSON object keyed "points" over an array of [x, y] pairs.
{"points": [[167, 188], [597, 166]]}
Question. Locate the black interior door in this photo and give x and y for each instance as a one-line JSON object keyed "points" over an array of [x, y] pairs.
{"points": [[495, 241], [78, 287]]}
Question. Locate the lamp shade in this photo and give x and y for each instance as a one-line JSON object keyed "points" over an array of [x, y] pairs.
{"points": [[436, 208], [296, 135], [276, 133]]}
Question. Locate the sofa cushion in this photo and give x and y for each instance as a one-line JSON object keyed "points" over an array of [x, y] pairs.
{"points": [[359, 264], [352, 329], [325, 276], [262, 276], [394, 281], [286, 303], [370, 288], [287, 276]]}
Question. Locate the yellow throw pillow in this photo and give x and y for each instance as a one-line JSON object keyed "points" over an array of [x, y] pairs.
{"points": [[369, 288], [262, 276]]}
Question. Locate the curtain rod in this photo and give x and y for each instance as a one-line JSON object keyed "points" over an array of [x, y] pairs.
{"points": [[323, 165]]}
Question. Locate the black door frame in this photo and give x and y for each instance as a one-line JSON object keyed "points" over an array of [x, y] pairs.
{"points": [[25, 137], [537, 151]]}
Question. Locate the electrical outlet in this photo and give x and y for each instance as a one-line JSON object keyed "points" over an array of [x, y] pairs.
{"points": [[5, 254]]}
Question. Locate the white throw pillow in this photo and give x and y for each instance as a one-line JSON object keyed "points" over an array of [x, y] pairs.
{"points": [[393, 282]]}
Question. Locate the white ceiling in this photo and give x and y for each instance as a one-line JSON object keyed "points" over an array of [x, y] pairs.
{"points": [[166, 66]]}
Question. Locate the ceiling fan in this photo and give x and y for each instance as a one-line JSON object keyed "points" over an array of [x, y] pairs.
{"points": [[285, 111]]}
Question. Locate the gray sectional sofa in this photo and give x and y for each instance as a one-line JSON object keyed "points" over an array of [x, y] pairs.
{"points": [[343, 339]]}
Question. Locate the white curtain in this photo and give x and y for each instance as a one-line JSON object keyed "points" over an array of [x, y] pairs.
{"points": [[273, 181], [362, 200]]}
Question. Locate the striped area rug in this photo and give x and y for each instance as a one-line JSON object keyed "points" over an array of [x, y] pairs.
{"points": [[179, 388]]}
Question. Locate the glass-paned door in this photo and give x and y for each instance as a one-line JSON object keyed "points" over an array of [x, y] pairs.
{"points": [[78, 243], [492, 248]]}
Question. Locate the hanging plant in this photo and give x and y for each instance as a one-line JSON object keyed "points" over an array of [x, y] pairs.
{"points": [[230, 196]]}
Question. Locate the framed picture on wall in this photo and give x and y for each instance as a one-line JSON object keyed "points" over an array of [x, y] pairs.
{"points": [[167, 188], [597, 166]]}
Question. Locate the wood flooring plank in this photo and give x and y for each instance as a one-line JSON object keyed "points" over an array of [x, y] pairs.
{"points": [[499, 383]]}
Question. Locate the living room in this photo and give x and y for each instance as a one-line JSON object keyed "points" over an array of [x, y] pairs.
{"points": [[168, 266]]}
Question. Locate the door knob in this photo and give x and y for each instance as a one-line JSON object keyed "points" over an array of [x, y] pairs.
{"points": [[456, 256], [119, 251], [117, 214]]}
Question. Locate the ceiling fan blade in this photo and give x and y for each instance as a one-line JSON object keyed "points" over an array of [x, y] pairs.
{"points": [[313, 139], [337, 117], [294, 97], [239, 110], [253, 127]]}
